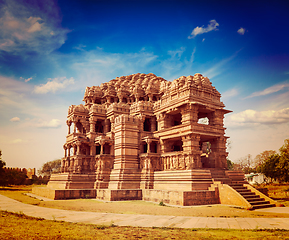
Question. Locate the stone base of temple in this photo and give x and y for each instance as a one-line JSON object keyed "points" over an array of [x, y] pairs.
{"points": [[72, 181], [62, 194], [183, 180], [183, 198], [172, 187], [119, 194]]}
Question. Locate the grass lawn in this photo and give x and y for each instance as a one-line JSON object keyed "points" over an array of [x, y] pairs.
{"points": [[134, 207], [20, 226]]}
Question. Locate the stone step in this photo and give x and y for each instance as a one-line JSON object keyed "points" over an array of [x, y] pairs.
{"points": [[244, 194], [241, 191], [259, 203], [251, 201], [255, 200], [264, 206]]}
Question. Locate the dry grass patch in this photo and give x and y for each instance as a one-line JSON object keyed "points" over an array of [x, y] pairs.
{"points": [[133, 207], [279, 192], [20, 226]]}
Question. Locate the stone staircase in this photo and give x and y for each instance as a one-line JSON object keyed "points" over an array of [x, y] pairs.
{"points": [[235, 179], [255, 200]]}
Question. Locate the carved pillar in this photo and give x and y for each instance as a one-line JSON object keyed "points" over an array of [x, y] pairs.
{"points": [[92, 125], [190, 114], [68, 124], [149, 141], [106, 125], [153, 124], [65, 150], [92, 149], [162, 146], [78, 144], [112, 124], [101, 142], [161, 121], [69, 147], [217, 118], [74, 127]]}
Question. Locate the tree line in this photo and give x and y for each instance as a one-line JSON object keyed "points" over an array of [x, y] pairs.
{"points": [[16, 176], [274, 165]]}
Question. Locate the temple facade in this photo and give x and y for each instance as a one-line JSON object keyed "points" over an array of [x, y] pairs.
{"points": [[141, 137], [133, 126]]}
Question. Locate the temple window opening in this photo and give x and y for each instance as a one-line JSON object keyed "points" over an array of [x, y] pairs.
{"points": [[99, 126], [204, 121], [176, 119], [97, 149], [154, 147], [147, 125], [145, 148], [106, 148]]}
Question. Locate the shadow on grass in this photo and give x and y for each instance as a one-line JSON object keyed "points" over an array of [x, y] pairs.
{"points": [[12, 189]]}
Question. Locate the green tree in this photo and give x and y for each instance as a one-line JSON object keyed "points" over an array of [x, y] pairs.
{"points": [[230, 164], [283, 166], [262, 157], [50, 167], [269, 167], [2, 170]]}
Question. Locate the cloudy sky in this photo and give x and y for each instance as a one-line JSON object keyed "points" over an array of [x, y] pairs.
{"points": [[51, 50]]}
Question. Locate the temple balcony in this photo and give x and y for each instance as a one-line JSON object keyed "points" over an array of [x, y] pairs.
{"points": [[70, 137], [196, 128], [142, 155]]}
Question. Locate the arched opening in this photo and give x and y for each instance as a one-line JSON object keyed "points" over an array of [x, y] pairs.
{"points": [[80, 128], [99, 126], [74, 150], [97, 149], [108, 125], [147, 125], [154, 147], [144, 147], [204, 121], [177, 146], [97, 101], [176, 119], [106, 148]]}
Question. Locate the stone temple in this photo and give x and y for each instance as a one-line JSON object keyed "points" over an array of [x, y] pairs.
{"points": [[141, 137]]}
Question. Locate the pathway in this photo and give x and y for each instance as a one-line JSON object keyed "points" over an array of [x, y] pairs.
{"points": [[11, 205]]}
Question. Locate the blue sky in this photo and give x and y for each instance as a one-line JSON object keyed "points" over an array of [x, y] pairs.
{"points": [[51, 50]]}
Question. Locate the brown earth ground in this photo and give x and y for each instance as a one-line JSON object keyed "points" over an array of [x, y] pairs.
{"points": [[141, 207]]}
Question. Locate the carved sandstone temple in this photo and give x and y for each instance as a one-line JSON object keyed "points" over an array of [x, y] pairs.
{"points": [[143, 137]]}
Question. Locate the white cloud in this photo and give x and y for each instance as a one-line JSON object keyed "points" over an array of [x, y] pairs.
{"points": [[53, 123], [241, 31], [53, 85], [251, 118], [212, 26], [177, 53], [230, 93], [270, 90], [217, 69], [28, 79], [15, 119], [25, 27]]}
